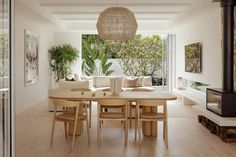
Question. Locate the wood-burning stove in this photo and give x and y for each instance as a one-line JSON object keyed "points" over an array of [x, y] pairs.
{"points": [[223, 101]]}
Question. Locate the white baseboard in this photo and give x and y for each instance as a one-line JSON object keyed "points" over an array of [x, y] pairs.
{"points": [[21, 109]]}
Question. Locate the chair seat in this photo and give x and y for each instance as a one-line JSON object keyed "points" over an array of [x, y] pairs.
{"points": [[85, 102], [112, 115], [67, 116], [152, 115]]}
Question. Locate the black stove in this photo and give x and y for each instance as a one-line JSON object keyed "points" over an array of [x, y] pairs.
{"points": [[223, 101]]}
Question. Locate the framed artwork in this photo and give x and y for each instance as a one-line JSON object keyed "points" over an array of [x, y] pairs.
{"points": [[31, 58], [193, 58]]}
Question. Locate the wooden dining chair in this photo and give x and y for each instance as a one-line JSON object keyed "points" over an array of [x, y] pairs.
{"points": [[72, 112], [88, 103], [152, 116], [132, 106], [111, 115]]}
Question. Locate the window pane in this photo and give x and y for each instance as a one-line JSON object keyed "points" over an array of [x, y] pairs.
{"points": [[4, 75]]}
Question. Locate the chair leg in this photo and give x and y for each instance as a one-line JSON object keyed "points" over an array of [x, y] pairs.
{"points": [[87, 124], [75, 126], [166, 125], [126, 124], [90, 114], [130, 115], [99, 132], [139, 132], [166, 133], [98, 126], [139, 125], [65, 126], [52, 133], [126, 132], [135, 127], [53, 126]]}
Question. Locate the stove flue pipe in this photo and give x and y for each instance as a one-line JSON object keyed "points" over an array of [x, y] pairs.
{"points": [[228, 44]]}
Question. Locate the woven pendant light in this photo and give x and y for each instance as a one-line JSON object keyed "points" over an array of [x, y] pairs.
{"points": [[117, 23]]}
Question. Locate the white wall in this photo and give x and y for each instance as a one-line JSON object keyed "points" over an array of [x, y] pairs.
{"points": [[25, 18], [200, 25]]}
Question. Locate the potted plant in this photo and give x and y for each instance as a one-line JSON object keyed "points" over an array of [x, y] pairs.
{"points": [[61, 59]]}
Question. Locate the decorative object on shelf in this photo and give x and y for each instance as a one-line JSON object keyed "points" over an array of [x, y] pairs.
{"points": [[31, 58], [117, 23], [70, 79], [61, 59], [180, 83], [197, 85]]}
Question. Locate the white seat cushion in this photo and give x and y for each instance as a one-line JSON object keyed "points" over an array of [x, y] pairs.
{"points": [[103, 81], [73, 84]]}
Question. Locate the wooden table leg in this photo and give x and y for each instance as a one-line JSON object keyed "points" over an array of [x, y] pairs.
{"points": [[79, 129], [149, 128]]}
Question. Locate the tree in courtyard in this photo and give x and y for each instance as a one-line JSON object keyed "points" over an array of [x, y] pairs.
{"points": [[142, 56], [3, 54]]}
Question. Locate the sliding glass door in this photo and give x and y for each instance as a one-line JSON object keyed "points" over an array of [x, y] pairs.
{"points": [[5, 78], [167, 70]]}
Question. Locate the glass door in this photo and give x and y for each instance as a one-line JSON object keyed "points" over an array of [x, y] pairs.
{"points": [[168, 63], [4, 78]]}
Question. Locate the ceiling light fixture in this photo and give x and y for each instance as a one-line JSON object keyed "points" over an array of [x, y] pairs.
{"points": [[117, 23]]}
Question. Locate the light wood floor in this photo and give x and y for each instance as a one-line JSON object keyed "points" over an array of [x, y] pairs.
{"points": [[187, 138]]}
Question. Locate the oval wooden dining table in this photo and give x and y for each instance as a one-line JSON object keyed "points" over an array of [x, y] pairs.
{"points": [[149, 128]]}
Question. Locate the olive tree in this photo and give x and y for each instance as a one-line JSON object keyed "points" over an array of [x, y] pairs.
{"points": [[142, 56], [3, 54]]}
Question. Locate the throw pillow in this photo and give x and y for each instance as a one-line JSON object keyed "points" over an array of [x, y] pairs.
{"points": [[147, 81], [132, 82]]}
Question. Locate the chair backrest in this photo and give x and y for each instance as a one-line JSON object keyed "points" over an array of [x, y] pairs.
{"points": [[151, 102], [81, 89], [112, 102], [65, 103]]}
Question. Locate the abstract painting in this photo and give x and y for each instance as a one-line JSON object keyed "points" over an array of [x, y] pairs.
{"points": [[193, 58], [31, 58]]}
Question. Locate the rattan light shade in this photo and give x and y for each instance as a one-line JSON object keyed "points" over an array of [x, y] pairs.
{"points": [[117, 23]]}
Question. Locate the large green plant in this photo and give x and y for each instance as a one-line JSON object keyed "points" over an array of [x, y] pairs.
{"points": [[90, 56], [61, 59]]}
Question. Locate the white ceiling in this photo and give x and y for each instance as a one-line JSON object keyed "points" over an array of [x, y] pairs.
{"points": [[73, 14]]}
